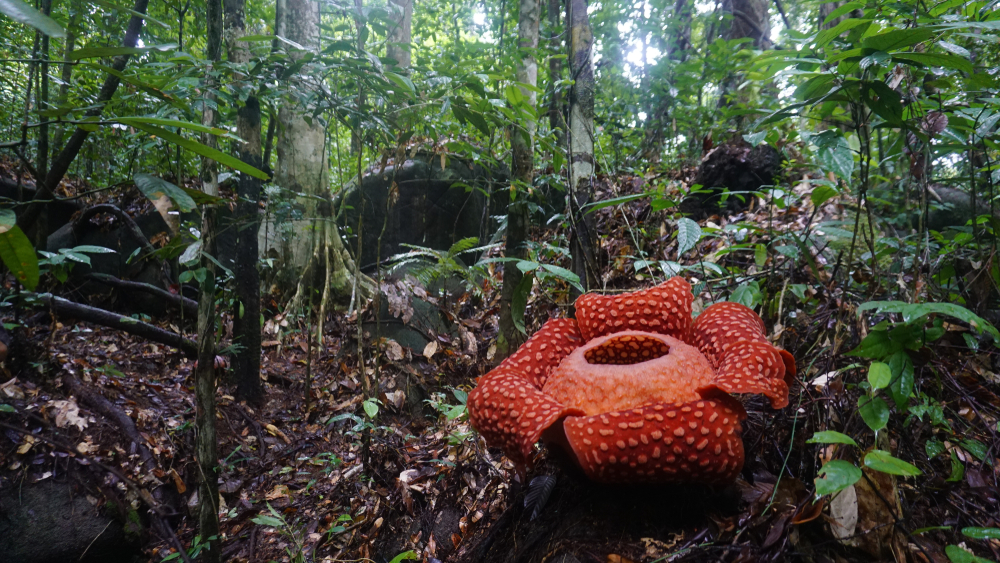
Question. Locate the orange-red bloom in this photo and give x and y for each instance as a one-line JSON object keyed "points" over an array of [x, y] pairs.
{"points": [[633, 389]]}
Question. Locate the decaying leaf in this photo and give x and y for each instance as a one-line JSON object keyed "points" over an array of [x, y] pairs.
{"points": [[67, 413], [430, 349], [844, 513]]}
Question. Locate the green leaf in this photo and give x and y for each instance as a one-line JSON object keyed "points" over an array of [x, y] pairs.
{"points": [[154, 188], [880, 460], [203, 150], [958, 555], [935, 60], [519, 301], [834, 154], [406, 555], [822, 194], [760, 255], [828, 35], [898, 38], [848, 7], [836, 476], [7, 408], [176, 123], [591, 207], [267, 520], [564, 274], [755, 138], [883, 100], [874, 411], [19, 256], [688, 234], [913, 311], [831, 437], [879, 375], [982, 533], [371, 407], [23, 13], [101, 52], [976, 448], [901, 387], [957, 469], [934, 448]]}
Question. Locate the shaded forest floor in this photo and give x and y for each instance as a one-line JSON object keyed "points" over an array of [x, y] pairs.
{"points": [[331, 483]]}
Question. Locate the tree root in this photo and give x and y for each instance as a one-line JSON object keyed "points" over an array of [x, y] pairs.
{"points": [[189, 306]]}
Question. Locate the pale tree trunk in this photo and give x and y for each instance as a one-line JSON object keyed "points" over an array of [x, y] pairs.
{"points": [[523, 165], [744, 18], [557, 121], [317, 250], [246, 316], [206, 446], [398, 49], [581, 142]]}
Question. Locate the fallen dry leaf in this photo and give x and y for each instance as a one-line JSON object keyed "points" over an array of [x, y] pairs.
{"points": [[430, 349]]}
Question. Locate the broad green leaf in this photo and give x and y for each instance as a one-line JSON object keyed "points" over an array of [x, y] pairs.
{"points": [[958, 555], [154, 188], [957, 469], [898, 38], [19, 256], [913, 311], [881, 460], [144, 86], [176, 123], [203, 150], [828, 35], [848, 7], [982, 533], [834, 153], [831, 437], [934, 448], [836, 476], [7, 408], [976, 448], [519, 301], [879, 375], [371, 407], [822, 194], [101, 52], [568, 275], [935, 60], [591, 207], [874, 411], [269, 521], [23, 13], [688, 234], [901, 387], [883, 100], [760, 255], [755, 138]]}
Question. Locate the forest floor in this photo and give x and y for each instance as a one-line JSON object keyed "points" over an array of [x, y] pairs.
{"points": [[324, 481]]}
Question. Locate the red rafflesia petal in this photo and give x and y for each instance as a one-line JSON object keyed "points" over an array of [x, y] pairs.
{"points": [[732, 337], [722, 325], [754, 367], [537, 357], [511, 413], [696, 442], [664, 309]]}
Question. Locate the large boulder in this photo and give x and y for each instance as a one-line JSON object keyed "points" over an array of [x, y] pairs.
{"points": [[51, 522], [425, 201]]}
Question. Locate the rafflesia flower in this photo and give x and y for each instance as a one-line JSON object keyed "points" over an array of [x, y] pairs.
{"points": [[633, 389]]}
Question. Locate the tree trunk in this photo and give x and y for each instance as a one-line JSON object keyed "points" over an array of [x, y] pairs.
{"points": [[246, 316], [303, 168], [523, 166], [581, 142], [67, 71], [206, 446], [400, 34], [744, 18], [61, 163], [557, 121]]}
